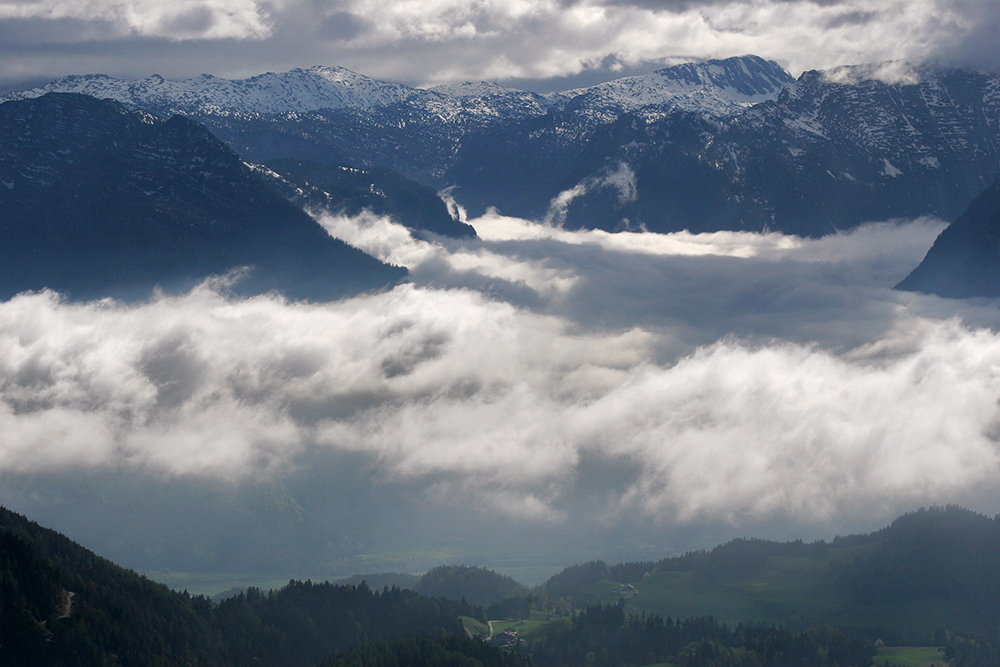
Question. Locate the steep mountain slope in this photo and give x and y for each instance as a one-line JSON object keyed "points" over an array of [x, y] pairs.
{"points": [[349, 191], [841, 149], [99, 201], [965, 258]]}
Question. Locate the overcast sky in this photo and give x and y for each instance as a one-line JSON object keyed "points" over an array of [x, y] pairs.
{"points": [[537, 44]]}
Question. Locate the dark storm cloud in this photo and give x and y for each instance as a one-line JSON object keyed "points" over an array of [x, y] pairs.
{"points": [[850, 18], [341, 26], [40, 35]]}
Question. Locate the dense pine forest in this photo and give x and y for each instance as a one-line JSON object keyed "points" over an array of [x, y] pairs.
{"points": [[604, 636], [425, 652]]}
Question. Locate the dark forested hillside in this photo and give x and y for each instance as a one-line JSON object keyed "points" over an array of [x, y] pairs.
{"points": [[83, 609], [947, 553], [604, 636], [64, 605], [476, 585], [425, 652], [932, 570], [931, 576]]}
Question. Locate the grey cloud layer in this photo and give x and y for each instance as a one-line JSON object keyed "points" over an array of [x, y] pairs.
{"points": [[544, 374], [454, 40]]}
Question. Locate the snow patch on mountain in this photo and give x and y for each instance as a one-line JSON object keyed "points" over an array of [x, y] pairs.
{"points": [[298, 90]]}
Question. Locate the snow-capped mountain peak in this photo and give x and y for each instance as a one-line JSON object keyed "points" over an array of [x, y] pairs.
{"points": [[719, 87], [747, 78]]}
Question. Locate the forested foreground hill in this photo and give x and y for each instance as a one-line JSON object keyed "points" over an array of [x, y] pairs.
{"points": [[61, 604], [476, 585]]}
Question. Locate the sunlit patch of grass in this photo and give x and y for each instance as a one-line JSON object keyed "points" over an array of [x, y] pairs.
{"points": [[477, 628], [910, 656]]}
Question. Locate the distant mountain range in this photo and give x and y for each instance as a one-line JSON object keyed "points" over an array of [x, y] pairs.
{"points": [[719, 87], [724, 144], [734, 144], [824, 155]]}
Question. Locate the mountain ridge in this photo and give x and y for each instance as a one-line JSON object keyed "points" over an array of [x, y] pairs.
{"points": [[103, 201], [733, 144], [715, 86]]}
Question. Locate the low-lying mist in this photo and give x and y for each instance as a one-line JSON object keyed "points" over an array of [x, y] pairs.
{"points": [[626, 393]]}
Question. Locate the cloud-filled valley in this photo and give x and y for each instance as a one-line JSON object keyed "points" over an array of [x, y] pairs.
{"points": [[558, 379]]}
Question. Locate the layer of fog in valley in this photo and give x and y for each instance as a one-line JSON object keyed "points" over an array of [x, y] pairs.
{"points": [[532, 398]]}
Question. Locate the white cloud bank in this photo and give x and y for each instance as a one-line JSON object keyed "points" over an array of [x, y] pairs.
{"points": [[174, 19], [781, 378]]}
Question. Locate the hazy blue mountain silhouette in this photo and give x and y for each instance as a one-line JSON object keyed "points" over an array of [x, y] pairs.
{"points": [[101, 201], [965, 258]]}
